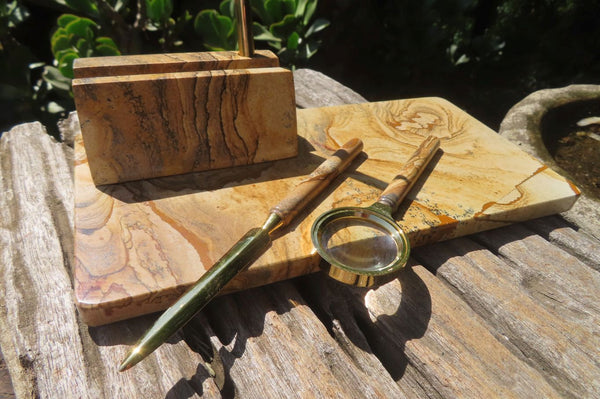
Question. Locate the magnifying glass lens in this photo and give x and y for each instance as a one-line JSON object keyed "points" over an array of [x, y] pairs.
{"points": [[360, 244]]}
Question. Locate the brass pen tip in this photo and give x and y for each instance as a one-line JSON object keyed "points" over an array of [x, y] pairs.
{"points": [[133, 357], [124, 366]]}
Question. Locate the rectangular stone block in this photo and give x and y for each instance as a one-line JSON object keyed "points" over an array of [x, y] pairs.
{"points": [[149, 116]]}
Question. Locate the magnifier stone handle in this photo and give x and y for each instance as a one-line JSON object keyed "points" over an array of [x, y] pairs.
{"points": [[395, 192], [314, 183]]}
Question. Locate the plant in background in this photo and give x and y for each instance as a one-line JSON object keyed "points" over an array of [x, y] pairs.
{"points": [[77, 37], [35, 84], [160, 18], [110, 25], [286, 26], [217, 28], [29, 89]]}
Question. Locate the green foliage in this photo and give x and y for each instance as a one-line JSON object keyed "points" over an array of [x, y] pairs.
{"points": [[217, 28], [14, 59], [41, 89], [77, 37], [482, 55], [26, 90], [286, 27], [84, 6], [159, 11], [160, 18], [11, 14]]}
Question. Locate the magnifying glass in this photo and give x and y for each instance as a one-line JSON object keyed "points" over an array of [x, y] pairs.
{"points": [[365, 246]]}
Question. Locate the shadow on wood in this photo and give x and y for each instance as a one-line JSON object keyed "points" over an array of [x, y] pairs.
{"points": [[345, 311]]}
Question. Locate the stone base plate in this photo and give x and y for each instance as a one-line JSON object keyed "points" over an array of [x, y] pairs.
{"points": [[139, 245]]}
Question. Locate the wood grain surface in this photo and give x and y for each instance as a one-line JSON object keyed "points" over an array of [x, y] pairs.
{"points": [[504, 313], [6, 388], [139, 245]]}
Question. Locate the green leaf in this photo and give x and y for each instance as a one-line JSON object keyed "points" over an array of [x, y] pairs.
{"points": [[153, 9], [273, 10], [88, 7], [65, 64], [84, 47], [258, 6], [159, 10], [60, 2], [300, 8], [311, 6], [317, 26], [309, 49], [293, 41], [276, 45], [285, 27], [168, 8], [106, 50], [62, 53], [81, 27], [59, 42], [120, 5], [260, 32], [288, 7], [66, 19], [107, 42], [227, 8], [217, 30]]}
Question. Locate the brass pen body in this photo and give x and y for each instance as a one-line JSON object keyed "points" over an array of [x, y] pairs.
{"points": [[241, 255]]}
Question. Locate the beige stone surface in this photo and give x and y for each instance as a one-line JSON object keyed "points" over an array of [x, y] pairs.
{"points": [[138, 245], [161, 115]]}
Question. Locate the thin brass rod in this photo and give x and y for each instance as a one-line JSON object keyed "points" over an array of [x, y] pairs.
{"points": [[243, 14]]}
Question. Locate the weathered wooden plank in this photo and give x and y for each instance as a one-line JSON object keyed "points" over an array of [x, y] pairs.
{"points": [[565, 284], [6, 389], [344, 318], [313, 89], [48, 353], [35, 216], [272, 338], [172, 370], [416, 323], [528, 310], [564, 235]]}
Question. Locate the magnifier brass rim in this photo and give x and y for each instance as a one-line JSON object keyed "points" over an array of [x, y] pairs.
{"points": [[356, 276]]}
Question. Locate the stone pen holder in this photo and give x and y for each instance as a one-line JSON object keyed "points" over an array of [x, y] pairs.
{"points": [[146, 116]]}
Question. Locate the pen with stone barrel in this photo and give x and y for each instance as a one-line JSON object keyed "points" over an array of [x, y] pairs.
{"points": [[241, 255]]}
